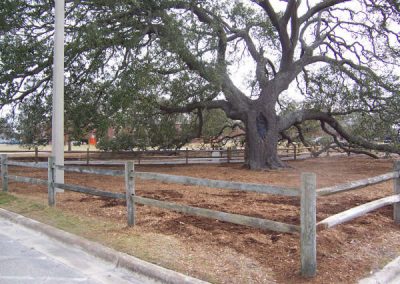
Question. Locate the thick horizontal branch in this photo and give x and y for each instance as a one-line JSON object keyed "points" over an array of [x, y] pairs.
{"points": [[318, 8], [341, 146], [301, 116]]}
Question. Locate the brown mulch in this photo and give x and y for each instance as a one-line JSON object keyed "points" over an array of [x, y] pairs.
{"points": [[227, 253]]}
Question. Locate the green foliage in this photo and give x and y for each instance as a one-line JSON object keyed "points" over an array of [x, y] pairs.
{"points": [[124, 59], [372, 127], [122, 142], [6, 128], [157, 132], [33, 122], [214, 121]]}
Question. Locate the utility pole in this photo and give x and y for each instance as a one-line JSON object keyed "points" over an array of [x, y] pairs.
{"points": [[58, 92]]}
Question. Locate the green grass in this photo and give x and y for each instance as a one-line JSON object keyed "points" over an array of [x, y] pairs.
{"points": [[39, 210], [149, 247], [6, 198]]}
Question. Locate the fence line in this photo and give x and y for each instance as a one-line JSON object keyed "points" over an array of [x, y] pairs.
{"points": [[248, 187], [91, 170], [225, 155], [27, 164], [357, 184], [130, 197], [89, 190], [308, 200], [357, 211], [28, 180], [222, 216]]}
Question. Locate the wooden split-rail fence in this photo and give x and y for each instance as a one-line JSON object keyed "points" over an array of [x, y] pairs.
{"points": [[181, 156], [308, 194]]}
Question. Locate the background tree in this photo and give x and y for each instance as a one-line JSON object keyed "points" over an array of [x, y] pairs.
{"points": [[342, 54], [7, 130], [32, 122]]}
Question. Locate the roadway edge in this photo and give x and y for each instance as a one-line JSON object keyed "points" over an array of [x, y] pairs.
{"points": [[120, 259]]}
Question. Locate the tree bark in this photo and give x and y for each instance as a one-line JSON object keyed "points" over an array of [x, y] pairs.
{"points": [[262, 138]]}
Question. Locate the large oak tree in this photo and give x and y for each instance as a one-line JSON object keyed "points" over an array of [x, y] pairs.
{"points": [[183, 56]]}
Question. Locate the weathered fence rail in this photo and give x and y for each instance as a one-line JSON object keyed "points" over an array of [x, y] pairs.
{"points": [[363, 209], [308, 195], [28, 180], [89, 190], [357, 211], [91, 170], [249, 187], [27, 164], [221, 216], [357, 184]]}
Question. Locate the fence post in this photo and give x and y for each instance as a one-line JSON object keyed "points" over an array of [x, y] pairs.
{"points": [[4, 172], [396, 183], [187, 156], [295, 151], [308, 234], [229, 154], [130, 191], [36, 154], [51, 191], [87, 156]]}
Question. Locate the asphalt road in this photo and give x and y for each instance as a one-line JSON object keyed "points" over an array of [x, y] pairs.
{"points": [[30, 257]]}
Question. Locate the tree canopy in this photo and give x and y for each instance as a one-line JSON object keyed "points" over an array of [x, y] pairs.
{"points": [[183, 56]]}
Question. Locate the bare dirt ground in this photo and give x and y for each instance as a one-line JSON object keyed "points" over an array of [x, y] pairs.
{"points": [[226, 253]]}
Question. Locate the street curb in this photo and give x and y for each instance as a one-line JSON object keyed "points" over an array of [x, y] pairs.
{"points": [[110, 255], [389, 274]]}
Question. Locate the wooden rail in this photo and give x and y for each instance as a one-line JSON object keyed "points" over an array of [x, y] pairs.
{"points": [[221, 216], [357, 184], [357, 211], [27, 164], [28, 180], [249, 187], [91, 170], [89, 190]]}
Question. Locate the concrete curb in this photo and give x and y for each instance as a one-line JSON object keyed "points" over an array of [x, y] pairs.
{"points": [[118, 258], [389, 274]]}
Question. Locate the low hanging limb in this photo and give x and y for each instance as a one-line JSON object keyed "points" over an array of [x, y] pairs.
{"points": [[218, 139], [343, 147], [286, 137], [305, 143], [314, 153], [225, 139], [305, 115]]}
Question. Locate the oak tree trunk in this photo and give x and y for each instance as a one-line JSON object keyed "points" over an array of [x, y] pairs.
{"points": [[262, 139]]}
